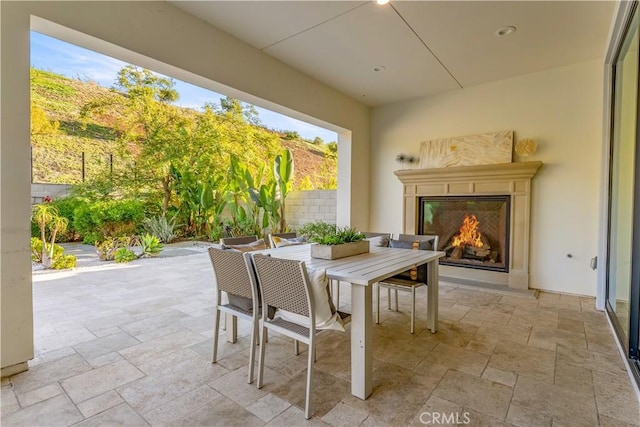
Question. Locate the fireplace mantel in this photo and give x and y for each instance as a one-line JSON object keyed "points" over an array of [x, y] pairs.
{"points": [[512, 179], [500, 171]]}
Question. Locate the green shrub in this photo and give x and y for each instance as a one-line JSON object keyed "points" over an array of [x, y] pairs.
{"points": [[317, 230], [125, 255], [151, 245], [216, 231], [66, 207], [64, 261], [35, 230], [291, 135], [97, 221], [244, 227]]}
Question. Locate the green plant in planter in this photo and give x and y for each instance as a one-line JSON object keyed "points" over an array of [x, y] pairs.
{"points": [[341, 236], [329, 234]]}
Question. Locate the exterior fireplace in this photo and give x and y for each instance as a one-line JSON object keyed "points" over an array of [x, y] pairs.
{"points": [[473, 230], [493, 201]]}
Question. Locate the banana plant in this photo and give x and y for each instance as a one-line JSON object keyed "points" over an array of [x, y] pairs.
{"points": [[236, 190], [283, 173], [200, 202], [243, 213], [254, 206], [213, 203], [266, 198]]}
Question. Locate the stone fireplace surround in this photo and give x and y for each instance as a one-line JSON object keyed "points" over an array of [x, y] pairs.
{"points": [[512, 179]]}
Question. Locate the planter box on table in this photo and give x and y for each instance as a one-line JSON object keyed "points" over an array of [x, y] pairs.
{"points": [[339, 251]]}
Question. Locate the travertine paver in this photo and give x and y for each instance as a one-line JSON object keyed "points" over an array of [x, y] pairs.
{"points": [[97, 381], [131, 345]]}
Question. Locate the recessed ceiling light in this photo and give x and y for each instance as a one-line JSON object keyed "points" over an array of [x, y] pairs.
{"points": [[379, 68], [505, 31], [381, 2]]}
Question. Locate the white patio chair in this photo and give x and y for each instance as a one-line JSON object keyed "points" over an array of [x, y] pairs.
{"points": [[284, 284], [233, 274]]}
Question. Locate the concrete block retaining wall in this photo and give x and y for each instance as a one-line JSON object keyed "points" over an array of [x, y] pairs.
{"points": [[308, 206], [55, 191]]}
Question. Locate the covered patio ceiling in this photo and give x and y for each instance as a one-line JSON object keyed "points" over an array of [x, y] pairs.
{"points": [[407, 49]]}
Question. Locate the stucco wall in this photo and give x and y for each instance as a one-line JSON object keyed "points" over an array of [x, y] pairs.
{"points": [[562, 110], [161, 37]]}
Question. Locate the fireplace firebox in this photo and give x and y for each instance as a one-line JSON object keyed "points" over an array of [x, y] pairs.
{"points": [[474, 230]]}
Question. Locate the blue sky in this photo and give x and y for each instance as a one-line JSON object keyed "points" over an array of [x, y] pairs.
{"points": [[50, 54]]}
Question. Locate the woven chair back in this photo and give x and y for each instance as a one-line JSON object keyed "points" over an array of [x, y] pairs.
{"points": [[230, 271], [283, 283], [242, 240]]}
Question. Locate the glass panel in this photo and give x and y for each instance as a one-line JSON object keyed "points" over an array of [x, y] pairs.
{"points": [[473, 230], [622, 176]]}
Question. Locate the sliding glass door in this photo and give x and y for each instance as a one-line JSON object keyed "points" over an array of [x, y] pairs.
{"points": [[623, 274]]}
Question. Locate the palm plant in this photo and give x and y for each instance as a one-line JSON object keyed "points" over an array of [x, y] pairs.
{"points": [[47, 217]]}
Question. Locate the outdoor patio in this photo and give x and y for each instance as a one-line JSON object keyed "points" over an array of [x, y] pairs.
{"points": [[130, 344]]}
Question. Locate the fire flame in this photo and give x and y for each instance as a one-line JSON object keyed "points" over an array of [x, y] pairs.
{"points": [[469, 234]]}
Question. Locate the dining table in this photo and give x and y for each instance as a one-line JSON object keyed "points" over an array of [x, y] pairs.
{"points": [[362, 272]]}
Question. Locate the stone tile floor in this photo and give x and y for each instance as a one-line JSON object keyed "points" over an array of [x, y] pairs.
{"points": [[131, 345]]}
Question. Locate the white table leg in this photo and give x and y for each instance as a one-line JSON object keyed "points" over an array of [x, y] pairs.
{"points": [[361, 348], [432, 296]]}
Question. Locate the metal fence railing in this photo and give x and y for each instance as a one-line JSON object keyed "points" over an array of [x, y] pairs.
{"points": [[54, 166]]}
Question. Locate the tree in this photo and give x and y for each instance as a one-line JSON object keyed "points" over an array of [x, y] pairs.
{"points": [[290, 135], [180, 158], [333, 147], [236, 108], [152, 128]]}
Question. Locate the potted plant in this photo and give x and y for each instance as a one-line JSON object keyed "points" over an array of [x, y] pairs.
{"points": [[332, 242]]}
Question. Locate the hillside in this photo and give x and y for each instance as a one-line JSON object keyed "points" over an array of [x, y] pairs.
{"points": [[59, 136]]}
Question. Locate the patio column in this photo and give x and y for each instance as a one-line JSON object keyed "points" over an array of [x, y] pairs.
{"points": [[15, 191]]}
